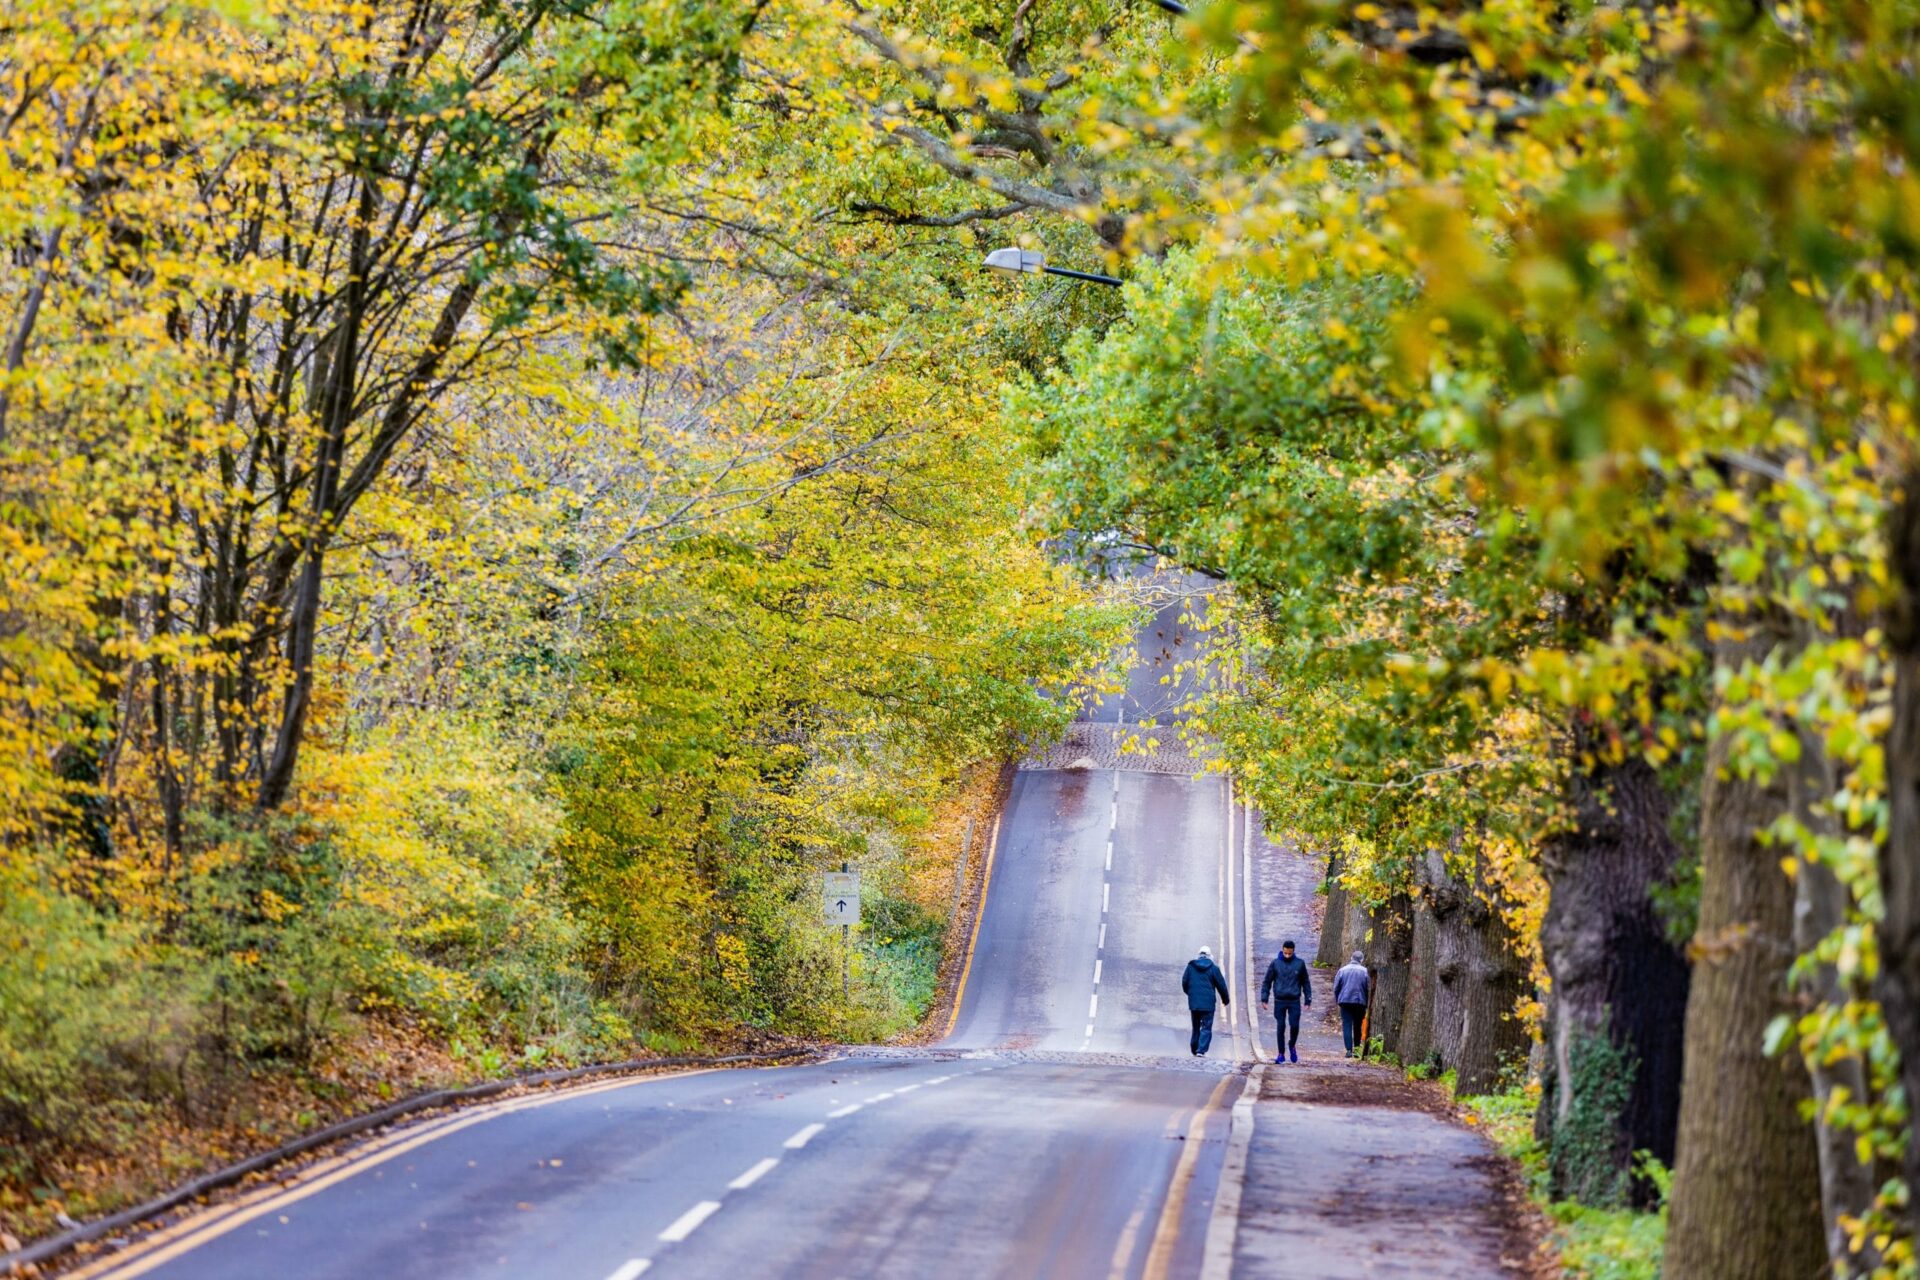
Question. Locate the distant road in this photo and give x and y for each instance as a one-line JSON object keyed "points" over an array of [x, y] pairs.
{"points": [[1062, 1130]]}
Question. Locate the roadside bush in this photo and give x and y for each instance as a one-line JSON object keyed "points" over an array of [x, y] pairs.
{"points": [[64, 1006], [1593, 1243], [1584, 1150]]}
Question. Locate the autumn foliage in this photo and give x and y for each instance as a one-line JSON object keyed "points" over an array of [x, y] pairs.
{"points": [[494, 498]]}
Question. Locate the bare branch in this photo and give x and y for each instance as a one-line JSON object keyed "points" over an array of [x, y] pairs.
{"points": [[1027, 193], [901, 218]]}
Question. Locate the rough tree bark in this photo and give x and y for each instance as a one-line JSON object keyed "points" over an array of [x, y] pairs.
{"points": [[1415, 1042], [1334, 923], [1480, 980], [1847, 1187], [1390, 961], [1746, 1181], [1615, 973], [1359, 928], [1898, 986]]}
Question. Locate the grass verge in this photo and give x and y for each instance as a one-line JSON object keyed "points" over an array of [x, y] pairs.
{"points": [[1594, 1244]]}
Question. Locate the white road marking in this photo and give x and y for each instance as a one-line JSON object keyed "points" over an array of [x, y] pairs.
{"points": [[1103, 935], [905, 1088], [1093, 1006], [803, 1137], [632, 1269], [1109, 855], [1227, 913], [1096, 972], [1105, 889], [1246, 902], [1115, 820], [844, 1112], [688, 1222], [754, 1174], [878, 1097], [1089, 1033], [939, 1079]]}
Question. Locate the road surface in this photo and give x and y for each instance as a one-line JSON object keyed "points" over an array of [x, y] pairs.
{"points": [[1060, 1130]]}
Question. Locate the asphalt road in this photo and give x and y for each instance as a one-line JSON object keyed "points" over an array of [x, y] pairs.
{"points": [[1061, 1130]]}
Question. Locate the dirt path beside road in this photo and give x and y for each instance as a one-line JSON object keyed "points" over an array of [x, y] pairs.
{"points": [[1352, 1170]]}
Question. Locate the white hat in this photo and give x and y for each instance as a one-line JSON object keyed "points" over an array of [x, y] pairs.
{"points": [[1207, 952]]}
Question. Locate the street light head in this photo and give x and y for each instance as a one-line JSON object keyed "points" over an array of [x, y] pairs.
{"points": [[1017, 260]]}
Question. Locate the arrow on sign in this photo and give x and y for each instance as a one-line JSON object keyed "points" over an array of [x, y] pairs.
{"points": [[841, 905]]}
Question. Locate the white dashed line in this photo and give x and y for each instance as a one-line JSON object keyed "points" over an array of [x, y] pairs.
{"points": [[878, 1097], [1115, 821], [1104, 889], [1093, 1006], [1096, 972], [688, 1222], [632, 1270], [905, 1088], [1109, 855], [803, 1137], [754, 1174], [844, 1112], [1103, 935]]}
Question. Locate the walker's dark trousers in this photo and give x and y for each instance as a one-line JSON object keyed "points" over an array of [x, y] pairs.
{"points": [[1286, 1021], [1350, 1016], [1202, 1030]]}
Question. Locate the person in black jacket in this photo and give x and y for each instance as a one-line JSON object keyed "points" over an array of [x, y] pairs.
{"points": [[1201, 980], [1290, 985]]}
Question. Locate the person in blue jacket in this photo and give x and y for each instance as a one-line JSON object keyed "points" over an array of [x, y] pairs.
{"points": [[1290, 985], [1201, 982]]}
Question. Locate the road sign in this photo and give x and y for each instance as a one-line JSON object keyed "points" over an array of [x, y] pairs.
{"points": [[841, 901]]}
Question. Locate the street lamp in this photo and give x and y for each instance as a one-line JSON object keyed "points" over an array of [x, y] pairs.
{"points": [[1018, 261]]}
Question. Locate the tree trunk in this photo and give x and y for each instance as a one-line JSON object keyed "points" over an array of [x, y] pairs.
{"points": [[1847, 1187], [1746, 1180], [1390, 961], [334, 410], [1415, 1041], [1334, 923], [1359, 928], [1898, 986], [1616, 975], [1481, 979]]}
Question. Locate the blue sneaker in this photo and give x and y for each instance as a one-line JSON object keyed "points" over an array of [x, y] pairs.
{"points": [[1282, 1059], [1295, 1053]]}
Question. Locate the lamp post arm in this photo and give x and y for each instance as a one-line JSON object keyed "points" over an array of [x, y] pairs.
{"points": [[1084, 275]]}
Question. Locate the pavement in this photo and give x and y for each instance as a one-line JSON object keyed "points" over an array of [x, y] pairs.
{"points": [[1061, 1129]]}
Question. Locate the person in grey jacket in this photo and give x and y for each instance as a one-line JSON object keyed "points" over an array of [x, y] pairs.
{"points": [[1290, 985], [1201, 982], [1350, 988]]}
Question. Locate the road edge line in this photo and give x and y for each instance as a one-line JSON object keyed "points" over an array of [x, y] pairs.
{"points": [[1253, 973], [1223, 1229], [1166, 1231], [204, 1221], [979, 914], [1231, 922]]}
